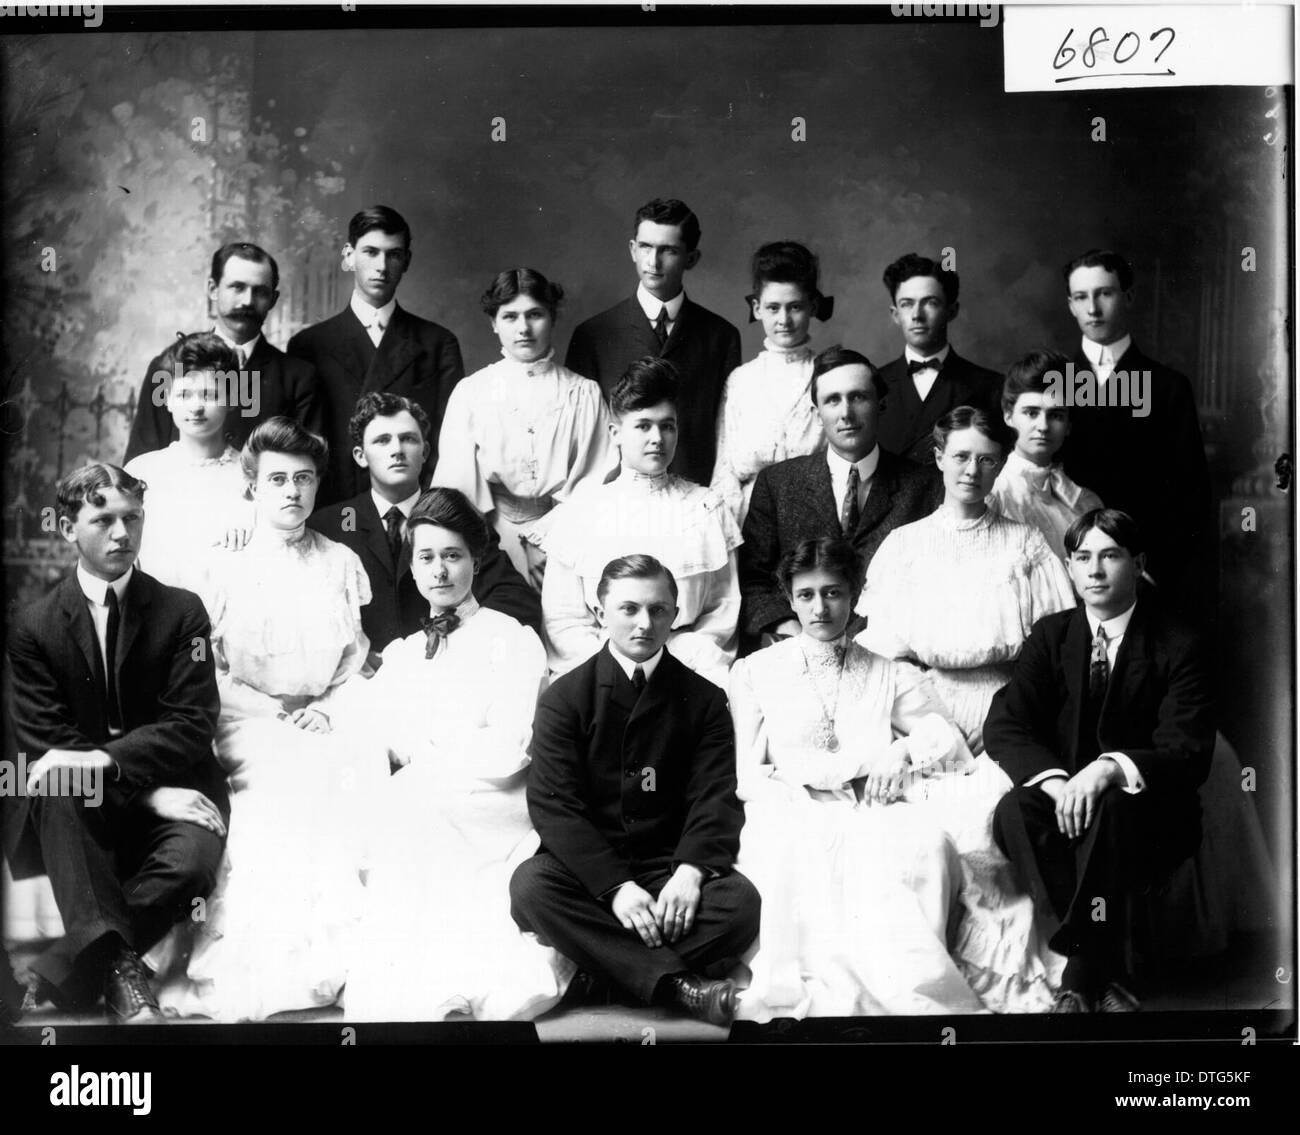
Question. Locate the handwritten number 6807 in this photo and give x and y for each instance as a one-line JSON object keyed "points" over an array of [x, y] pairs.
{"points": [[1065, 54]]}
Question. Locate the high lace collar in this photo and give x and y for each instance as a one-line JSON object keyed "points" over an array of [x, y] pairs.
{"points": [[226, 457], [638, 482], [946, 517], [535, 369], [268, 536], [801, 353], [465, 609], [823, 654]]}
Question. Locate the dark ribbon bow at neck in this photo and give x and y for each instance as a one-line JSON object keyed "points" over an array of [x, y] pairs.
{"points": [[913, 365], [823, 307], [436, 628]]}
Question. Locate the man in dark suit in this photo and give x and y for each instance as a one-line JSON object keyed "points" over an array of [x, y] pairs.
{"points": [[929, 378], [242, 290], [632, 788], [855, 489], [374, 344], [1135, 438], [113, 688], [661, 321], [390, 440], [1106, 729]]}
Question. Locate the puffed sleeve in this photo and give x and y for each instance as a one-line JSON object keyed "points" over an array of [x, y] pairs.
{"points": [[238, 699], [726, 481], [572, 629], [355, 585], [591, 453], [882, 604], [458, 449], [754, 780], [1047, 586], [920, 717]]}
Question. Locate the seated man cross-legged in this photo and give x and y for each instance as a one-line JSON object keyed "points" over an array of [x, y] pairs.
{"points": [[632, 788]]}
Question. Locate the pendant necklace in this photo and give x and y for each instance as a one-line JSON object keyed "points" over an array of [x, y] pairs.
{"points": [[824, 737]]}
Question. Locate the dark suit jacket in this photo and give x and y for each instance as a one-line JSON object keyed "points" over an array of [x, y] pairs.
{"points": [[1159, 707], [397, 605], [1154, 468], [793, 500], [704, 348], [417, 359], [284, 386], [166, 685], [907, 423], [619, 786]]}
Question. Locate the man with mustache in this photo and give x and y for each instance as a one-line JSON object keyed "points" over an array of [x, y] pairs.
{"points": [[375, 345], [242, 289], [929, 378], [855, 488]]}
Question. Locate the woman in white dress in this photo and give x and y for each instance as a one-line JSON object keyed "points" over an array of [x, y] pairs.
{"points": [[454, 705], [767, 412], [858, 891], [520, 435], [1032, 486], [196, 486], [959, 592], [286, 639], [646, 510]]}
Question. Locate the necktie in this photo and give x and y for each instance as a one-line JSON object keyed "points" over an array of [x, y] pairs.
{"points": [[1098, 667], [1105, 364], [661, 325], [850, 513], [393, 522], [638, 680], [436, 628], [110, 660], [913, 365]]}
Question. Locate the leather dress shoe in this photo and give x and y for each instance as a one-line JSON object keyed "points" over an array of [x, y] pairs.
{"points": [[1117, 999], [1071, 1001], [712, 1001], [127, 995]]}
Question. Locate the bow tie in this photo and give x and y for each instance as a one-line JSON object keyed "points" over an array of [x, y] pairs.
{"points": [[913, 365], [437, 628]]}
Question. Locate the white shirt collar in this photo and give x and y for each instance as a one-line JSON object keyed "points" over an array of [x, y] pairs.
{"points": [[96, 589], [1092, 351], [840, 468], [628, 666], [651, 305], [382, 506], [364, 312], [916, 356], [247, 348], [1115, 627]]}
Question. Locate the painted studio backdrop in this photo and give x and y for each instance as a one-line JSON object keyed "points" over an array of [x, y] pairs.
{"points": [[129, 157]]}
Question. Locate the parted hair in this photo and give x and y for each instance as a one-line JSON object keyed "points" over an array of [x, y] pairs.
{"points": [[244, 251], [786, 262], [839, 356], [88, 484], [202, 350], [380, 217], [825, 553], [1119, 526], [450, 509], [972, 418], [517, 282], [380, 403], [647, 382], [1028, 375], [634, 567], [282, 435], [1105, 258], [911, 265], [670, 211]]}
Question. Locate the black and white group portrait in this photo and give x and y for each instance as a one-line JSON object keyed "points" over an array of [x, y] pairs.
{"points": [[614, 518]]}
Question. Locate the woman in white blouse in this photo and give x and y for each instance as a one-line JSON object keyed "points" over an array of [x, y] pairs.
{"points": [[286, 640], [958, 592], [1032, 487], [858, 890], [520, 435], [767, 414], [453, 703]]}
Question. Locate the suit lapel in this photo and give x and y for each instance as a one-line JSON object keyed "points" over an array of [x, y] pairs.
{"points": [[819, 494], [639, 326], [657, 693], [881, 495], [1075, 654], [397, 351], [372, 525], [135, 612], [80, 626], [355, 350], [681, 326], [1129, 659]]}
